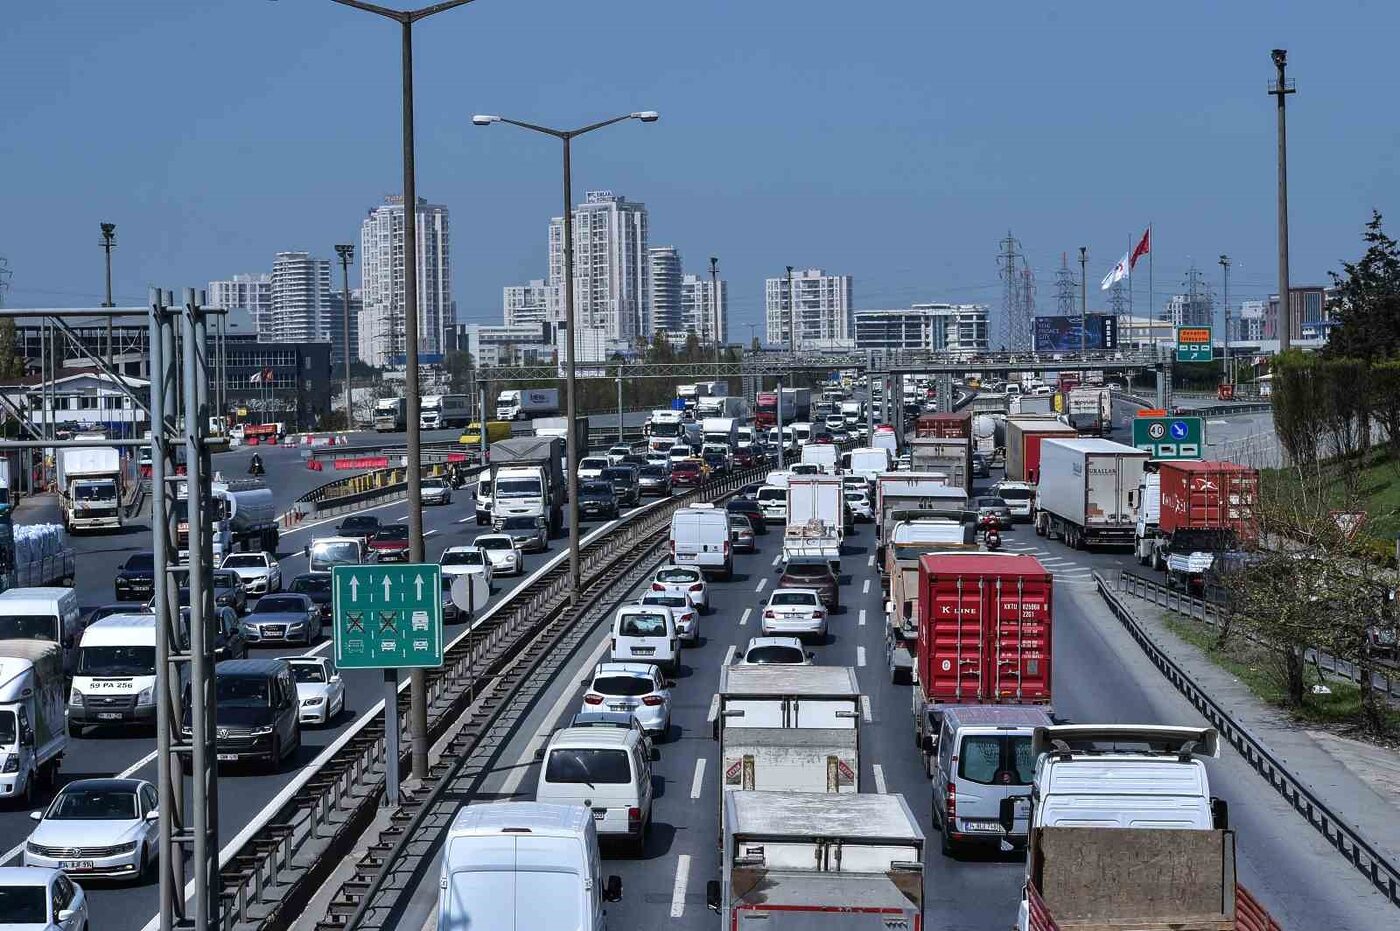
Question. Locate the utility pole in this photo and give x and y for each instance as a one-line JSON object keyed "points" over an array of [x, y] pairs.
{"points": [[1225, 264], [1083, 303], [1280, 89], [792, 319], [714, 303], [1064, 288], [346, 251], [109, 239]]}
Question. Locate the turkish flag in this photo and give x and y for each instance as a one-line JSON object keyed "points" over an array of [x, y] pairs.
{"points": [[1143, 247]]}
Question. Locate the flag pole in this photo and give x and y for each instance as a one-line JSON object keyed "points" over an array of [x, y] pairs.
{"points": [[1118, 324]]}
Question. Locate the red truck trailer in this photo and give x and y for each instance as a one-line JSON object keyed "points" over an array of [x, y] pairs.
{"points": [[1206, 508], [1023, 438], [984, 634], [944, 426]]}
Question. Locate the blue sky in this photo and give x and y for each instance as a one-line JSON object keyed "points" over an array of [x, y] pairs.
{"points": [[895, 141]]}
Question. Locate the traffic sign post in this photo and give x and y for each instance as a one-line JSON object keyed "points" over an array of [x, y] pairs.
{"points": [[1170, 437], [1193, 344], [389, 618]]}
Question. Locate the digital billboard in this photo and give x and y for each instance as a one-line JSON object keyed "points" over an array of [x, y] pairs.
{"points": [[1061, 334]]}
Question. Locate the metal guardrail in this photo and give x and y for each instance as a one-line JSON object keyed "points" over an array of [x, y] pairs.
{"points": [[1382, 873]]}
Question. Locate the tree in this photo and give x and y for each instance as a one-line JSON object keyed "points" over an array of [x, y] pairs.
{"points": [[12, 364], [458, 365], [1367, 303]]}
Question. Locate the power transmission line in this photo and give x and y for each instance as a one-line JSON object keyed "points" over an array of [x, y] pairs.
{"points": [[1066, 289]]}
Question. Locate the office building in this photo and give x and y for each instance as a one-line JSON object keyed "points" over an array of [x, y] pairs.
{"points": [[1196, 309], [301, 299], [959, 328], [252, 293], [701, 302], [818, 303], [1310, 320], [666, 315], [612, 273], [526, 304], [382, 319], [523, 344]]}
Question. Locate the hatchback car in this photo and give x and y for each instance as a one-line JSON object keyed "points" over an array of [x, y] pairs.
{"points": [[98, 827], [980, 467], [654, 480], [361, 526], [796, 611], [259, 571], [34, 898], [436, 491], [532, 533], [657, 457], [992, 506], [750, 509], [623, 478], [597, 499], [320, 689], [688, 472], [741, 534], [390, 544], [858, 501], [503, 553], [679, 453], [683, 612], [635, 688], [814, 573], [683, 579], [619, 720], [618, 454], [776, 651], [285, 618]]}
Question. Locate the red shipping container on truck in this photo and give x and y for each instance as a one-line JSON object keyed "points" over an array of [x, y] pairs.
{"points": [[944, 426], [984, 628], [1208, 495]]}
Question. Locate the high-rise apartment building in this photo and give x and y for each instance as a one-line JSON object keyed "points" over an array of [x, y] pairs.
{"points": [[701, 304], [301, 299], [526, 304], [612, 274], [666, 316], [818, 303], [252, 293], [382, 321], [337, 327]]}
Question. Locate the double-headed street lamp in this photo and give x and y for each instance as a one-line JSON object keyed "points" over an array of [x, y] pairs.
{"points": [[571, 441]]}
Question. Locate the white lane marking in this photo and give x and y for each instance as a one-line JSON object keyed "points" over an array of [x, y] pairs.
{"points": [[465, 519], [777, 559], [1216, 423], [871, 561], [862, 617], [860, 656], [12, 853], [429, 533], [744, 618], [865, 708], [402, 520], [713, 714], [879, 772], [865, 589], [698, 782], [678, 893], [729, 655], [762, 584]]}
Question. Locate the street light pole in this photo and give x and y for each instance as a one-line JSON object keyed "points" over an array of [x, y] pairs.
{"points": [[1225, 366], [418, 678], [1083, 303], [1280, 89], [792, 315], [566, 136], [714, 304], [346, 251], [109, 236]]}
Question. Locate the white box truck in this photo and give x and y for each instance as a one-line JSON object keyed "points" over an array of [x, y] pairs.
{"points": [[33, 735], [90, 486], [816, 507], [723, 430], [1090, 410], [804, 860], [1088, 491], [524, 403], [912, 491], [439, 411]]}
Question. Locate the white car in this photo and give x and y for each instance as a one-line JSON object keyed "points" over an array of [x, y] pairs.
{"points": [[1019, 498], [503, 553], [636, 688], [592, 467], [859, 503], [320, 689], [259, 571], [682, 579], [618, 454], [795, 611], [461, 560], [37, 899], [776, 651], [679, 453], [436, 491], [683, 612], [98, 827]]}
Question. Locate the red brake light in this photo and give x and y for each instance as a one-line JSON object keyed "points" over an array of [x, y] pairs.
{"points": [[634, 816], [770, 614], [651, 700], [700, 586], [657, 586], [950, 800], [591, 699], [819, 613]]}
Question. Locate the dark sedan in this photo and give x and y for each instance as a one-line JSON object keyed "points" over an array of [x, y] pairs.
{"points": [[361, 526], [317, 587], [623, 478], [654, 480], [992, 506], [750, 509], [136, 579]]}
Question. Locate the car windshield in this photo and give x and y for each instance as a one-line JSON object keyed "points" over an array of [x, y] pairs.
{"points": [[622, 685], [676, 576], [279, 604], [1015, 494], [997, 759], [359, 523], [140, 562], [463, 558], [242, 691], [518, 488], [991, 503], [620, 451], [494, 543], [808, 570], [775, 656], [225, 579], [521, 523], [652, 471], [596, 488], [593, 462], [28, 627], [855, 495], [772, 494], [642, 625], [310, 584], [309, 672], [687, 467], [395, 533], [794, 599], [117, 661], [24, 905], [245, 561], [8, 733], [433, 483], [593, 767], [82, 804], [617, 475]]}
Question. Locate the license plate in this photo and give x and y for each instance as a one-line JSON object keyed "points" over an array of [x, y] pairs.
{"points": [[993, 826], [227, 757], [109, 716], [599, 814], [75, 864], [620, 707], [644, 651]]}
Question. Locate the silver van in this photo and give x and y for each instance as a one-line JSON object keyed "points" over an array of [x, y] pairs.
{"points": [[983, 755]]}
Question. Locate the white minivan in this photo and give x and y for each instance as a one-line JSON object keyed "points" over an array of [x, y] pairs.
{"points": [[606, 769], [772, 500], [49, 614], [646, 634], [523, 865], [700, 539], [114, 682]]}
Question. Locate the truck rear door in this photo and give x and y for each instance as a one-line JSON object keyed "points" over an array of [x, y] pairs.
{"points": [[1106, 500]]}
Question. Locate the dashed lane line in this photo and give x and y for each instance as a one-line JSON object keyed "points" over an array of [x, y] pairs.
{"points": [[698, 782], [871, 561], [729, 655], [860, 656], [762, 584], [777, 559], [879, 772], [865, 708], [744, 618], [678, 891], [865, 589], [861, 621]]}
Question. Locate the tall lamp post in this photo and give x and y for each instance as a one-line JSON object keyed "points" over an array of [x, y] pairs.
{"points": [[566, 136], [1225, 264], [714, 305], [1280, 89], [418, 678], [1083, 303], [109, 240], [346, 251]]}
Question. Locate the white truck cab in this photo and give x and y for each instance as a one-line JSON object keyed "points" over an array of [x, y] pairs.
{"points": [[524, 865]]}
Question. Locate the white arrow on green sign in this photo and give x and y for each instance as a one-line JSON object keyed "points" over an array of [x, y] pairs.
{"points": [[387, 617]]}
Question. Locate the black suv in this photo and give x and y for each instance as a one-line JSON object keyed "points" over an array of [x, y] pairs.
{"points": [[625, 482], [136, 579], [596, 498]]}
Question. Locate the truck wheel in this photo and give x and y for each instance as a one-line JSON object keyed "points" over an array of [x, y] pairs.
{"points": [[945, 843]]}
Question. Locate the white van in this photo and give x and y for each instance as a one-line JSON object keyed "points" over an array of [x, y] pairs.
{"points": [[700, 538], [821, 455], [801, 433], [606, 769], [523, 865], [773, 500], [114, 682], [646, 634], [43, 614]]}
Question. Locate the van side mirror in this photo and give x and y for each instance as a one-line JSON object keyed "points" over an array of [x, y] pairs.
{"points": [[65, 914], [1220, 814], [612, 891], [153, 814], [539, 753], [306, 551], [712, 895]]}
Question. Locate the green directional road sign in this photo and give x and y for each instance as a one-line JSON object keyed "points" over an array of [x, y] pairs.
{"points": [[1193, 344], [1170, 437], [387, 617]]}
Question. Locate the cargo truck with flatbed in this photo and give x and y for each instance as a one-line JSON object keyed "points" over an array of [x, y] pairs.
{"points": [[1088, 491], [816, 506], [908, 491]]}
